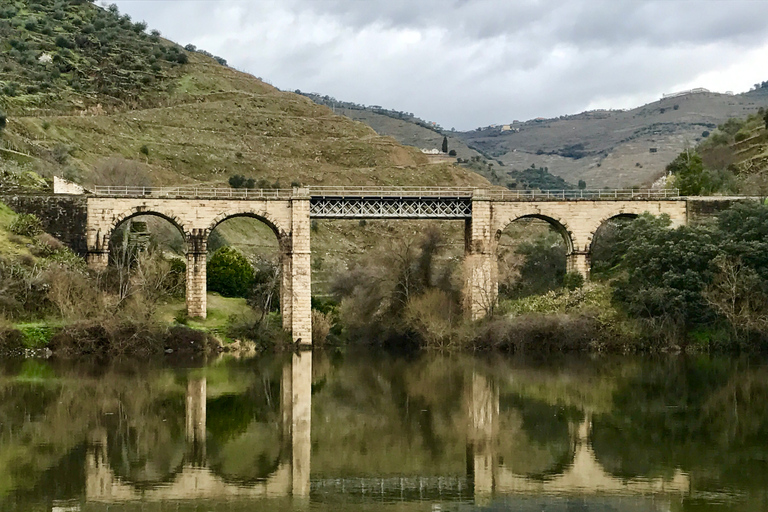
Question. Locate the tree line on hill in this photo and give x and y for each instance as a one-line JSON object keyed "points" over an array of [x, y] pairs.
{"points": [[56, 46]]}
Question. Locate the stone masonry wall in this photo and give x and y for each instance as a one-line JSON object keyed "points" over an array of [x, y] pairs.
{"points": [[64, 217]]}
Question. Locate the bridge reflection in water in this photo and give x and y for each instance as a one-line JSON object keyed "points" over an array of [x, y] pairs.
{"points": [[486, 474]]}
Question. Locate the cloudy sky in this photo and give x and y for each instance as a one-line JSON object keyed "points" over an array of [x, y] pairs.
{"points": [[469, 63]]}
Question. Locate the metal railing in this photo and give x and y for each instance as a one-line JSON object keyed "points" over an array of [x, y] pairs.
{"points": [[436, 192], [194, 192], [586, 195], [389, 192]]}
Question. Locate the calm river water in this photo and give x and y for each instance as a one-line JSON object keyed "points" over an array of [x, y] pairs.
{"points": [[366, 431]]}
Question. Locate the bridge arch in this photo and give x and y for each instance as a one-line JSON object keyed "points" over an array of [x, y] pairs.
{"points": [[127, 215], [262, 217], [557, 225], [603, 222], [554, 243]]}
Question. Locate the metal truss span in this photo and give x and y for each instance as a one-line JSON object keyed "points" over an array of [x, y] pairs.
{"points": [[390, 208]]}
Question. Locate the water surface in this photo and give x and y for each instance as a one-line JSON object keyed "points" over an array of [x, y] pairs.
{"points": [[368, 431]]}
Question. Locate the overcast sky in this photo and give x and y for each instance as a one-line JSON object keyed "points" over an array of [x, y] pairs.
{"points": [[469, 63]]}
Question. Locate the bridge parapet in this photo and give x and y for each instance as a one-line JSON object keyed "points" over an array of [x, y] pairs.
{"points": [[193, 192], [351, 193]]}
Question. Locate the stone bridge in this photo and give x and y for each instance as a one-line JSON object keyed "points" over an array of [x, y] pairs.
{"points": [[195, 212]]}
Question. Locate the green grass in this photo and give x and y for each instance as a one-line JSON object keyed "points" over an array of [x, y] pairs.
{"points": [[36, 334], [221, 311], [11, 245]]}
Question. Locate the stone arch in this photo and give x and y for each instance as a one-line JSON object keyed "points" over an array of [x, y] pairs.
{"points": [[558, 225], [602, 222], [262, 217], [137, 211]]}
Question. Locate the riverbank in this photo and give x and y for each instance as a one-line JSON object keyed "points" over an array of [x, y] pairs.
{"points": [[582, 320]]}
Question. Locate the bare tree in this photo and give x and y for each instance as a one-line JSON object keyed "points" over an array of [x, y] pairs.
{"points": [[737, 295]]}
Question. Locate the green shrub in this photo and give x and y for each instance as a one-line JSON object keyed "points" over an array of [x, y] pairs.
{"points": [[26, 224], [230, 273], [741, 135], [573, 280]]}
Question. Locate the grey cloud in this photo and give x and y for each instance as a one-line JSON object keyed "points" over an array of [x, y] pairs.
{"points": [[471, 62]]}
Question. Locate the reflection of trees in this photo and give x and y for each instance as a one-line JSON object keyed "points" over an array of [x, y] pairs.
{"points": [[49, 414], [383, 416], [71, 404], [244, 435], [535, 439], [705, 416]]}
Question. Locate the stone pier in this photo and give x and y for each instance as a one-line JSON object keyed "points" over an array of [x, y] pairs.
{"points": [[301, 272], [480, 261], [578, 262], [197, 261]]}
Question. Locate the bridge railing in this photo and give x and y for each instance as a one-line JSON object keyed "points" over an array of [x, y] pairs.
{"points": [[587, 195], [193, 192], [390, 192]]}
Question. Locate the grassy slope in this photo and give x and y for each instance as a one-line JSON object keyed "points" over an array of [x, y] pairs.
{"points": [[11, 245], [751, 154], [200, 122]]}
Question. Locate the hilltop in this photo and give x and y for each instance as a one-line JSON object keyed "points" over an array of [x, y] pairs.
{"points": [[82, 85]]}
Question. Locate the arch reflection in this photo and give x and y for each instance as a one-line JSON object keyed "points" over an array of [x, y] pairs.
{"points": [[509, 450], [196, 479], [581, 475]]}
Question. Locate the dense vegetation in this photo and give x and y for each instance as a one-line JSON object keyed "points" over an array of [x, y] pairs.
{"points": [[731, 160], [55, 51], [538, 178], [705, 282]]}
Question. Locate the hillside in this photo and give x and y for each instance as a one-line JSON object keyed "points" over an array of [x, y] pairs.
{"points": [[81, 85], [615, 148], [607, 148]]}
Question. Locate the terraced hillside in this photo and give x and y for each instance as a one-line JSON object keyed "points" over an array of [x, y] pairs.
{"points": [[178, 114], [615, 148], [608, 148]]}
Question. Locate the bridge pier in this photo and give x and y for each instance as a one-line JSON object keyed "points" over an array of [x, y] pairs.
{"points": [[300, 282], [482, 435], [197, 259], [481, 281], [579, 261], [98, 251]]}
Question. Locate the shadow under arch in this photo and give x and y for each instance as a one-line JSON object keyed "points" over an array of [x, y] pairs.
{"points": [[558, 226], [281, 236], [120, 221], [594, 241]]}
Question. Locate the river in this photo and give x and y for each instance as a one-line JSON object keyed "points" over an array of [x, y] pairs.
{"points": [[359, 430]]}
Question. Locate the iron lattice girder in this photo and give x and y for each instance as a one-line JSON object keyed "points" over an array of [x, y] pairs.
{"points": [[390, 208]]}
